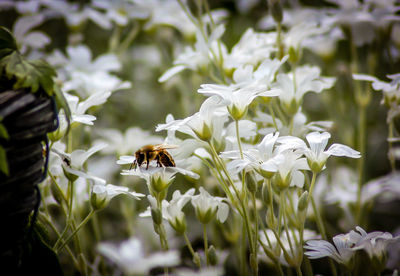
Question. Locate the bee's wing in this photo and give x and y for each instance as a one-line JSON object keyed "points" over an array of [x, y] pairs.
{"points": [[165, 146]]}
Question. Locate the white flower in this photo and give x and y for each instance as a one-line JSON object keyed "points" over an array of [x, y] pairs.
{"points": [[130, 257], [207, 207], [119, 11], [102, 192], [203, 125], [207, 271], [25, 37], [264, 158], [128, 142], [316, 153], [197, 59], [374, 243], [307, 79], [236, 98], [289, 170], [252, 48], [78, 109], [300, 125], [341, 251], [72, 163]]}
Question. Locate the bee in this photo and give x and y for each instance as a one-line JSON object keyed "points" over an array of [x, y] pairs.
{"points": [[158, 152]]}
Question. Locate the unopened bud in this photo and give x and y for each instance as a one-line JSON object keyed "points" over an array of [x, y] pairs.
{"points": [[276, 10], [212, 256], [56, 193], [251, 183], [156, 216], [302, 204], [266, 194], [270, 219]]}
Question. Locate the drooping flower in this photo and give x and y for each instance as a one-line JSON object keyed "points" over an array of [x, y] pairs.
{"points": [[341, 251]]}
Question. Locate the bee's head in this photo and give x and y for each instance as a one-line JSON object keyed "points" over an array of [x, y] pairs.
{"points": [[139, 155]]}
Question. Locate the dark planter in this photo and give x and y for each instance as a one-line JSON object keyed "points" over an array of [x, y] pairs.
{"points": [[28, 118]]}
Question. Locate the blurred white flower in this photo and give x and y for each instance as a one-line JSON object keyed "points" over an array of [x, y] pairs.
{"points": [[128, 142], [252, 48], [207, 271], [374, 243], [130, 256], [196, 59], [300, 125], [307, 79], [208, 206], [25, 37], [118, 11]]}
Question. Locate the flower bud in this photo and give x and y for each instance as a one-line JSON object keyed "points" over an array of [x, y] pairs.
{"points": [[212, 256], [251, 183], [265, 193], [158, 183], [276, 10], [56, 193], [302, 204], [156, 216], [270, 219]]}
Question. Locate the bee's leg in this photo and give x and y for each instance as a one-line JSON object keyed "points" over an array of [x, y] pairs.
{"points": [[133, 164], [147, 160]]}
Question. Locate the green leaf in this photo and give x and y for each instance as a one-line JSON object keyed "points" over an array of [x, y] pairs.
{"points": [[3, 132], [31, 74], [3, 161], [7, 42]]}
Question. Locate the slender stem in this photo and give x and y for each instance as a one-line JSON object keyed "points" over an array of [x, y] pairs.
{"points": [[271, 110], [238, 139], [283, 206], [298, 271], [279, 39], [361, 142], [76, 230], [205, 243], [189, 245], [253, 195], [392, 159]]}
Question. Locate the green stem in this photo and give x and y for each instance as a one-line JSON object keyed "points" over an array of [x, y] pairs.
{"points": [[189, 245], [205, 243], [76, 230], [361, 142], [390, 154]]}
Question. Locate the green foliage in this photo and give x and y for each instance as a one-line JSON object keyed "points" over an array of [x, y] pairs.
{"points": [[7, 43], [30, 74]]}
